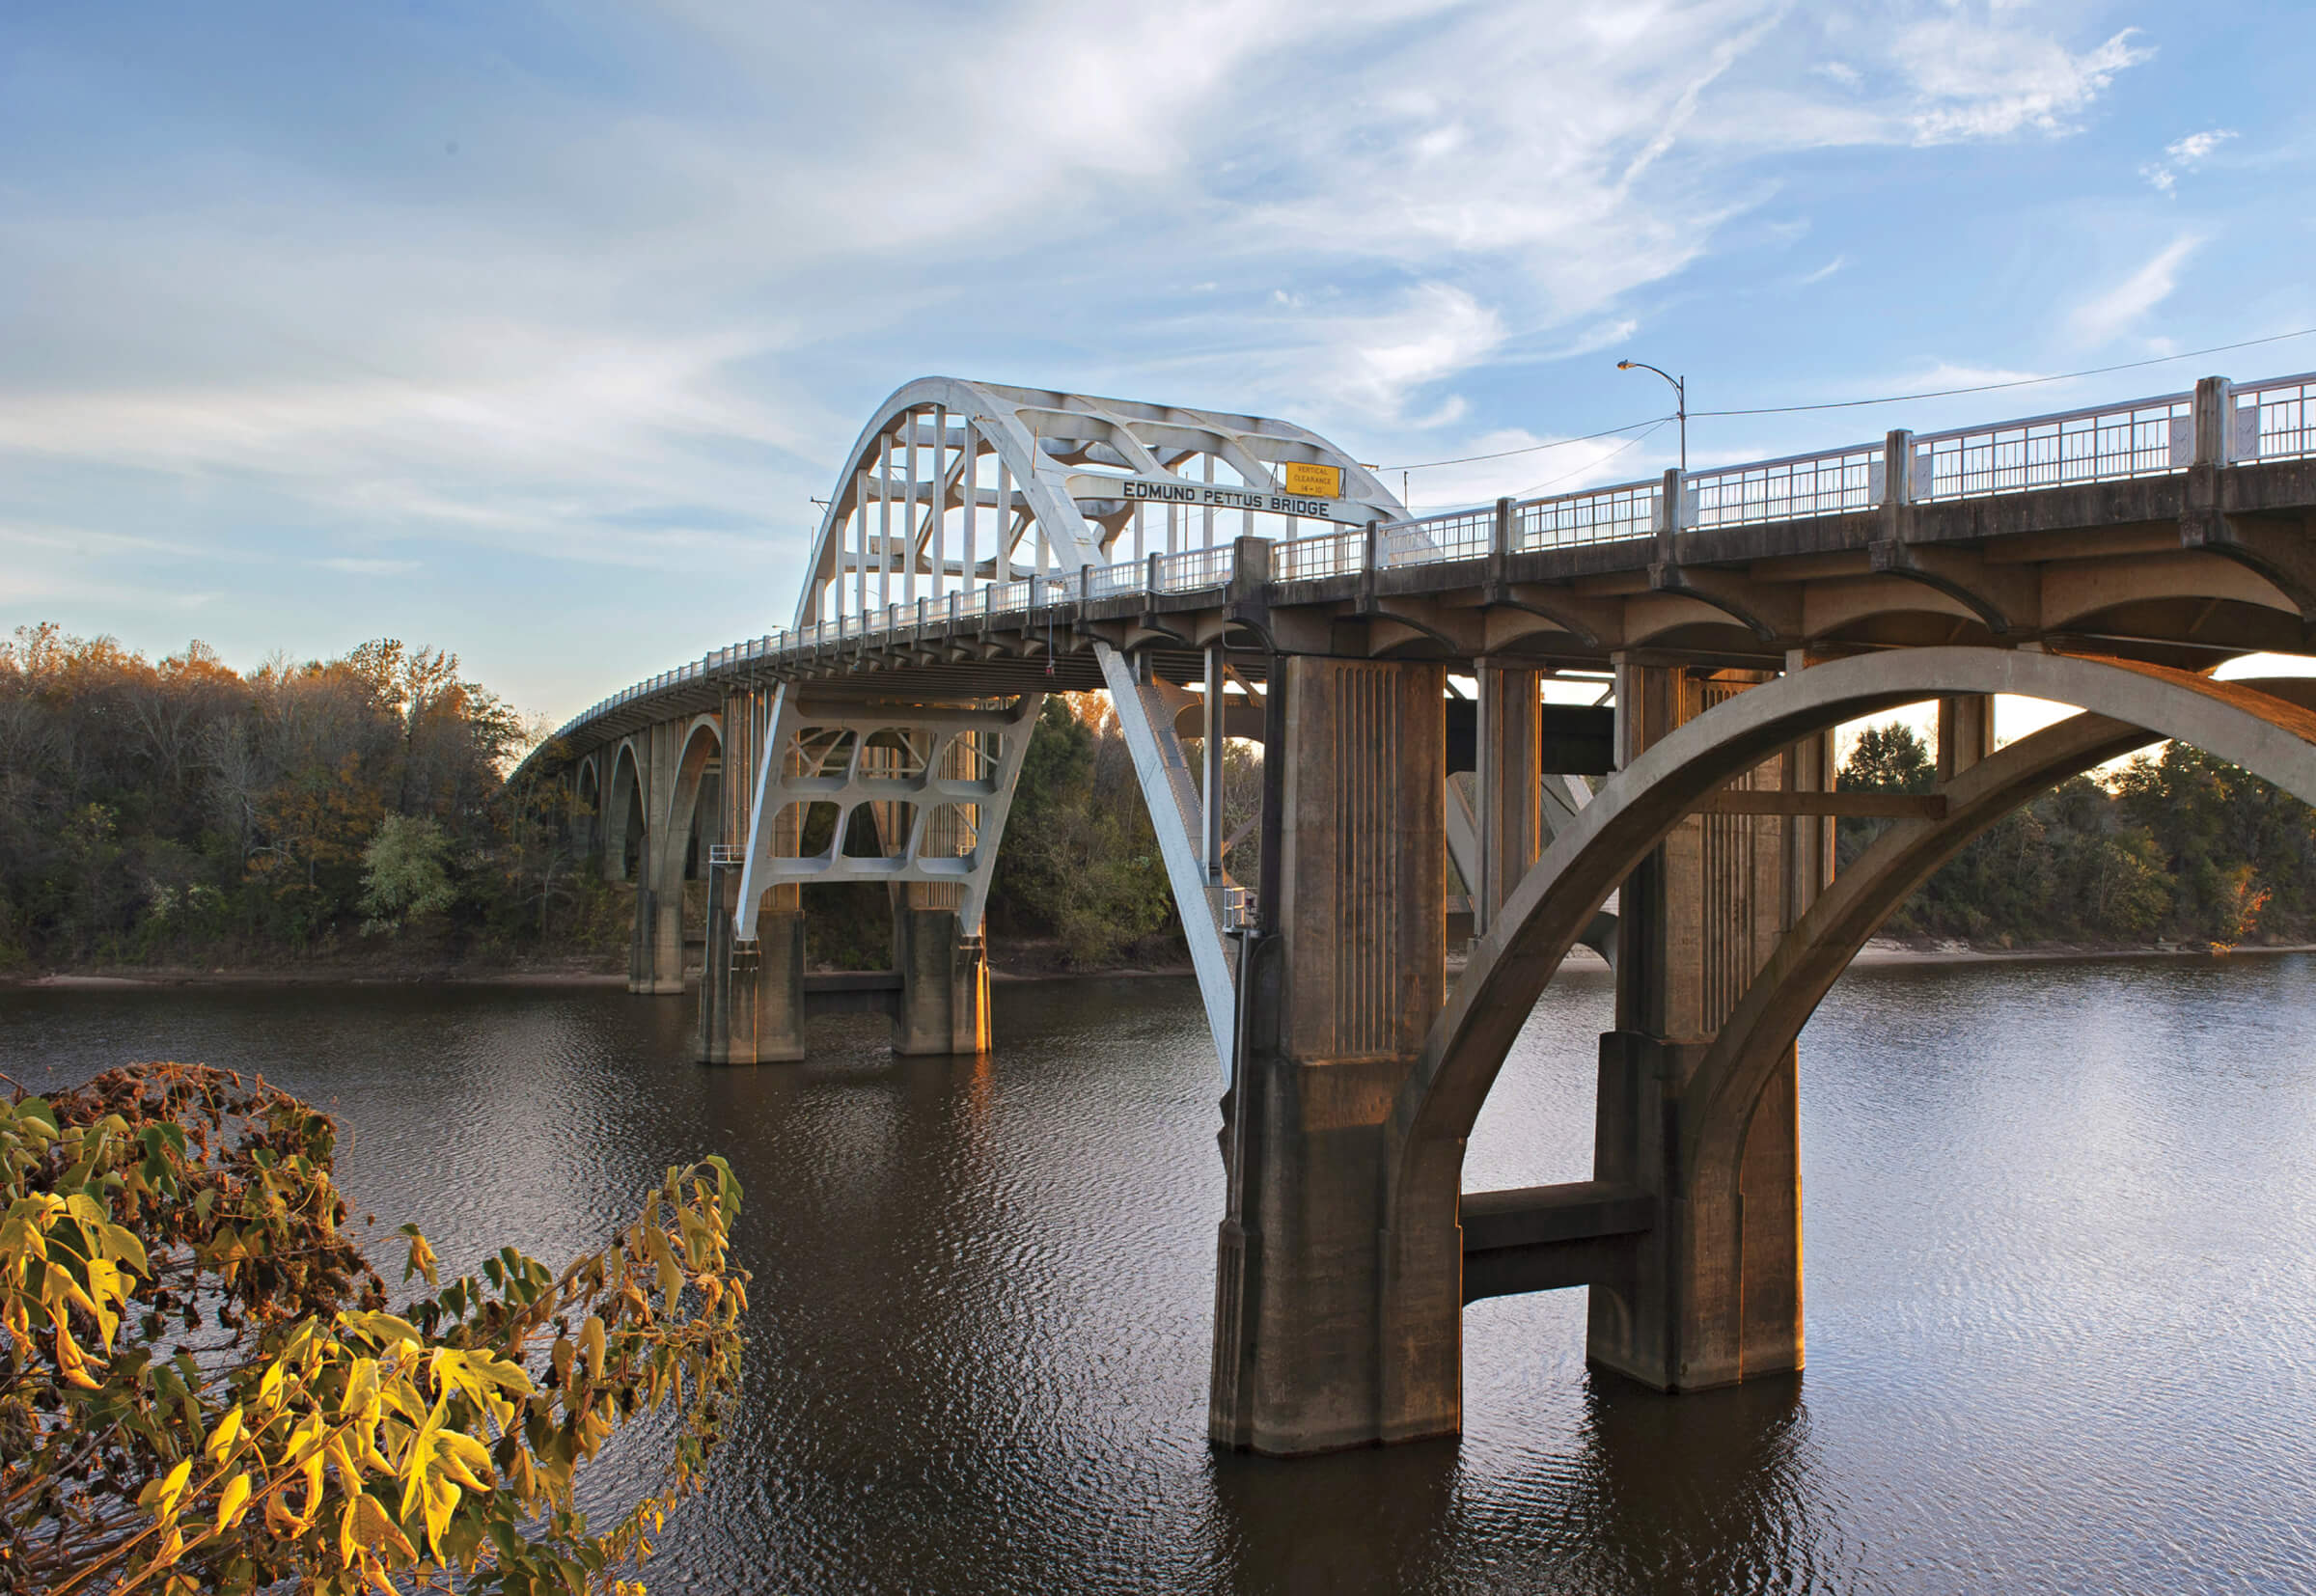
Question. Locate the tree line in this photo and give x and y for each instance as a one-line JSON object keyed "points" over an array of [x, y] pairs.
{"points": [[2173, 846], [184, 812], [181, 812]]}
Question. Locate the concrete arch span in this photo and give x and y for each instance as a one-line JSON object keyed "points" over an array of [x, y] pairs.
{"points": [[2268, 735], [1720, 1099], [628, 810], [587, 805], [676, 754], [1692, 1311], [703, 740]]}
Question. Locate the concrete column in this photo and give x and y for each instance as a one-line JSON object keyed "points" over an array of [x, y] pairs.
{"points": [[1966, 733], [944, 1003], [1508, 783], [1715, 1291], [751, 996], [1313, 1298], [944, 984]]}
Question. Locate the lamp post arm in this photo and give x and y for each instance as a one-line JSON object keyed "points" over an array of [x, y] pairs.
{"points": [[1680, 400]]}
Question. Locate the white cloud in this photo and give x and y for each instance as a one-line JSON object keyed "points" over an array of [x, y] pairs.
{"points": [[1974, 81], [2183, 156], [2102, 317], [639, 315], [1827, 271], [1377, 363]]}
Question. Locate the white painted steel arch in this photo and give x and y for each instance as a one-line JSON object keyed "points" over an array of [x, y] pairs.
{"points": [[1064, 479]]}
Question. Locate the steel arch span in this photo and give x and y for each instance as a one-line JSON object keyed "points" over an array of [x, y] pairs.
{"points": [[1017, 495]]}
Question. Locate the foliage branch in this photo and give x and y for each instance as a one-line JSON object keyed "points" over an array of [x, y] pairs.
{"points": [[202, 1388]]}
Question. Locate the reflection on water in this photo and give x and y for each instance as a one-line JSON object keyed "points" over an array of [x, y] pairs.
{"points": [[2060, 1292]]}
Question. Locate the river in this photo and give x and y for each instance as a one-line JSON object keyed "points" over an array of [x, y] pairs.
{"points": [[2060, 1230]]}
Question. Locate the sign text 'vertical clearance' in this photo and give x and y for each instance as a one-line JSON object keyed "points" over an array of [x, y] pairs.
{"points": [[1316, 481]]}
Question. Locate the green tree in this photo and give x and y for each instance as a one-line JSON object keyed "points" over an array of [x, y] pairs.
{"points": [[1079, 857], [403, 876], [1888, 758]]}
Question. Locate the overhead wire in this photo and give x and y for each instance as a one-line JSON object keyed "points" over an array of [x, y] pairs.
{"points": [[2015, 382], [1861, 403], [1630, 444], [1655, 428], [1528, 448]]}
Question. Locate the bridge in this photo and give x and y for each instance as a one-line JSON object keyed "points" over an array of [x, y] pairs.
{"points": [[1224, 576]]}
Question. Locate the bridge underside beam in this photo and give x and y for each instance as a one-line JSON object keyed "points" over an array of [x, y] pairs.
{"points": [[1543, 1238]]}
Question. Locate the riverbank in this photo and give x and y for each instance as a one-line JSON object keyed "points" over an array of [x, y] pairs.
{"points": [[593, 973]]}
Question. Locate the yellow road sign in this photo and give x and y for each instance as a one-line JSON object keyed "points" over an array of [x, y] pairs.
{"points": [[1317, 481]]}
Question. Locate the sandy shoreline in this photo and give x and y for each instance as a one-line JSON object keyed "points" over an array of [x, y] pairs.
{"points": [[1876, 953]]}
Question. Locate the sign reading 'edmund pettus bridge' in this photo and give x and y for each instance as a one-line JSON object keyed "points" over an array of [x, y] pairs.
{"points": [[1309, 490]]}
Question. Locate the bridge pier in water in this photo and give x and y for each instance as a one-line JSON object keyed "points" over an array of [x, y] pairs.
{"points": [[1345, 988], [1711, 1293]]}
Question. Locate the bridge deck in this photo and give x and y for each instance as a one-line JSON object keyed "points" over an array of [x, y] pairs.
{"points": [[1736, 595]]}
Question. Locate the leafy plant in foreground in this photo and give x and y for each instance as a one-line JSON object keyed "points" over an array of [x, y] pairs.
{"points": [[202, 1389]]}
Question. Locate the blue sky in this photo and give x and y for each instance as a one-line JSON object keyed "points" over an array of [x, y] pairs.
{"points": [[531, 330]]}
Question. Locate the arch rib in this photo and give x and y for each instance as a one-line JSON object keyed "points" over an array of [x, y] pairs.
{"points": [[1038, 493], [1721, 1093], [1639, 806]]}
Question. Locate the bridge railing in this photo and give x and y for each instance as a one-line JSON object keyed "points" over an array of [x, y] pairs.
{"points": [[2269, 420], [2109, 443], [2275, 420], [1832, 481], [1329, 554], [1458, 535], [1109, 581], [1592, 515], [1195, 569]]}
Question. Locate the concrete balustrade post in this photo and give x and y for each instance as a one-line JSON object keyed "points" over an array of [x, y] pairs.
{"points": [[2215, 422]]}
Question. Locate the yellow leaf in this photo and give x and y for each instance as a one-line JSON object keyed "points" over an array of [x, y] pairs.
{"points": [[69, 1361], [367, 1524], [590, 1334], [228, 1431], [233, 1502], [173, 1488]]}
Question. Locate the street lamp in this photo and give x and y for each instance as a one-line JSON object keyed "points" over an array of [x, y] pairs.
{"points": [[1680, 402]]}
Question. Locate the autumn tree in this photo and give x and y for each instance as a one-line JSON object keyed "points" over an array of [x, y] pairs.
{"points": [[203, 1388]]}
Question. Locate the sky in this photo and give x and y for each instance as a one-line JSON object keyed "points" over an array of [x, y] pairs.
{"points": [[531, 331]]}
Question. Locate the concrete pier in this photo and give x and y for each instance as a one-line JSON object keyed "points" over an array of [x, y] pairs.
{"points": [[944, 1001], [1347, 979], [1711, 1293], [752, 1006]]}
